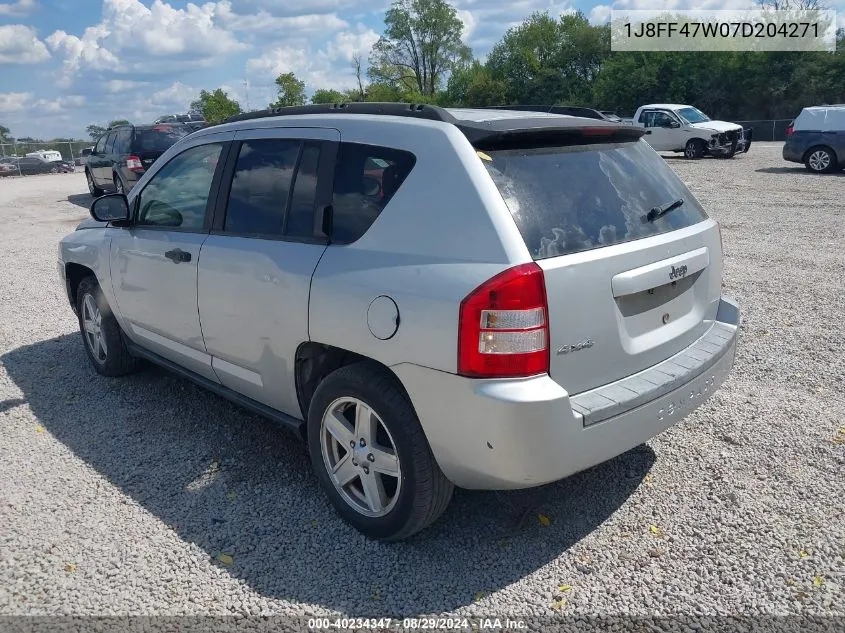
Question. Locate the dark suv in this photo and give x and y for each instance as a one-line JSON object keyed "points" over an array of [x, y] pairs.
{"points": [[124, 153]]}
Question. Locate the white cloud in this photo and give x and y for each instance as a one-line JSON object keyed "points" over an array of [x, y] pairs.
{"points": [[61, 104], [14, 101], [470, 23], [116, 86], [600, 14], [267, 24], [21, 7], [347, 43], [20, 45], [132, 37], [83, 51]]}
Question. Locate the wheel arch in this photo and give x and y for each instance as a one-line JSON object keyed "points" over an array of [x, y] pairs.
{"points": [[74, 274], [828, 148], [314, 361]]}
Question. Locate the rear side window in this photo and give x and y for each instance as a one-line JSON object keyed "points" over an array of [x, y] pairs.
{"points": [[258, 199], [124, 141], [366, 178], [158, 138], [570, 199]]}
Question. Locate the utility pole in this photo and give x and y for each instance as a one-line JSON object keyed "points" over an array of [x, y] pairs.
{"points": [[246, 94]]}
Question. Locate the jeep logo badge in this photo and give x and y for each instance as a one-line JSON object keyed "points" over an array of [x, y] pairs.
{"points": [[677, 273]]}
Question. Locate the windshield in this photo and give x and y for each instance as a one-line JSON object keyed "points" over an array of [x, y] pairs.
{"points": [[693, 115], [570, 199]]}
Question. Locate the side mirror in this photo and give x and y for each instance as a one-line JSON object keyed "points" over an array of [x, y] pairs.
{"points": [[112, 207], [87, 151]]}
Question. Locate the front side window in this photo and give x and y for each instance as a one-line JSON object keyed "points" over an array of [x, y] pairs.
{"points": [[100, 148], [366, 178], [177, 195], [110, 142], [258, 199]]}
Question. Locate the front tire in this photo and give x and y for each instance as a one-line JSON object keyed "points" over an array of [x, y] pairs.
{"points": [[371, 456], [820, 160], [93, 189], [101, 333], [118, 185], [694, 149]]}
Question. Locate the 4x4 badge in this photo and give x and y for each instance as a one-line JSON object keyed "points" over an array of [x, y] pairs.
{"points": [[575, 347]]}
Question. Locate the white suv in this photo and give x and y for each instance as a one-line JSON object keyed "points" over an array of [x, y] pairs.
{"points": [[487, 299]]}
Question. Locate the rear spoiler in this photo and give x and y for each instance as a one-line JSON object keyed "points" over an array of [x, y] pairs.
{"points": [[534, 133]]}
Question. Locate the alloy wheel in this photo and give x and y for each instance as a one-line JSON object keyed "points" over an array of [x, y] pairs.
{"points": [[360, 457], [92, 320], [819, 160]]}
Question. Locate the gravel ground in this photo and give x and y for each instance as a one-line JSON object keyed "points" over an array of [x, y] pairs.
{"points": [[122, 496]]}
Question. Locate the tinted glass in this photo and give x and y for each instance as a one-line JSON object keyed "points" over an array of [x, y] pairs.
{"points": [[159, 138], [260, 189], [124, 140], [300, 220], [100, 147], [178, 194], [693, 115], [570, 199], [366, 179], [110, 142]]}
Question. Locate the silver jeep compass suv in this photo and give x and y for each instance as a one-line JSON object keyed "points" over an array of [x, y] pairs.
{"points": [[434, 298]]}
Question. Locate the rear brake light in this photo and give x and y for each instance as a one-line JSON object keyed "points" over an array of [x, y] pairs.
{"points": [[503, 329], [598, 131], [134, 163], [789, 130]]}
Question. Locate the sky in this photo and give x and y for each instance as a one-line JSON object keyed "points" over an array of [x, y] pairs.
{"points": [[65, 64]]}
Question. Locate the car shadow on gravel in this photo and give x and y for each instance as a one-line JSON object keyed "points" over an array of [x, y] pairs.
{"points": [[231, 482], [796, 170], [83, 200]]}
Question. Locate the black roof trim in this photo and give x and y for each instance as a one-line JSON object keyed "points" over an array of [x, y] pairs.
{"points": [[412, 110]]}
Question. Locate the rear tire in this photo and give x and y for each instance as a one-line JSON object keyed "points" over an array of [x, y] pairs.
{"points": [[694, 149], [820, 160], [93, 189], [363, 401], [101, 334]]}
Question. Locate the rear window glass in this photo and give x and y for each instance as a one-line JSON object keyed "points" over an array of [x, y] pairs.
{"points": [[158, 139], [570, 199]]}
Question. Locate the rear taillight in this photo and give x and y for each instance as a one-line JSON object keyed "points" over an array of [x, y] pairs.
{"points": [[503, 330], [134, 163], [789, 130]]}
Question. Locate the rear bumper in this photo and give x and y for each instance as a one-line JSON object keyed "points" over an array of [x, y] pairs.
{"points": [[793, 152], [507, 434]]}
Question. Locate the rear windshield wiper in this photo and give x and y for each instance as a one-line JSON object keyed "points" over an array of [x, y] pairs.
{"points": [[658, 212]]}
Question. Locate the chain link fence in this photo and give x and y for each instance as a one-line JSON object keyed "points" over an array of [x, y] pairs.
{"points": [[767, 130], [70, 150]]}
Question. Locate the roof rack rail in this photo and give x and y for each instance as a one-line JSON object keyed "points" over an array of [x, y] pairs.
{"points": [[589, 113], [411, 110]]}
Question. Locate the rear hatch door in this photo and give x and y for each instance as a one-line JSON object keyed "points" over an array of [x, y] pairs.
{"points": [[150, 142], [624, 291]]}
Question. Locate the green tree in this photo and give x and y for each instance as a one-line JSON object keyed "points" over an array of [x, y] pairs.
{"points": [[119, 122], [328, 96], [5, 135], [549, 61], [473, 85], [215, 106], [95, 131], [291, 91], [420, 46]]}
